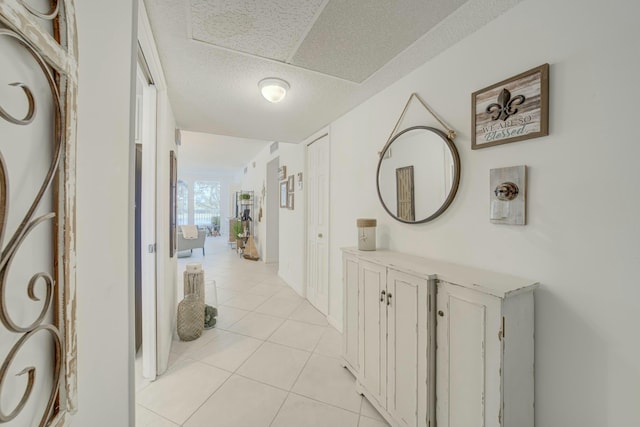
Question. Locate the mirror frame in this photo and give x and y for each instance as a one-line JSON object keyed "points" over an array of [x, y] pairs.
{"points": [[454, 184]]}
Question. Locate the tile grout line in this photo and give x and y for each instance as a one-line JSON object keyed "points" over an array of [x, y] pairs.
{"points": [[292, 385], [297, 377], [279, 409], [235, 372], [360, 413], [325, 403], [155, 413], [205, 401], [247, 359], [229, 259], [208, 397], [227, 379]]}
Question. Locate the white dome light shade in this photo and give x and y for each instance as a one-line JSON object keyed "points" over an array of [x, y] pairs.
{"points": [[273, 89]]}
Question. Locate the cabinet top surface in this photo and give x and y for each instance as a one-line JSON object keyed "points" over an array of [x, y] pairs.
{"points": [[497, 284]]}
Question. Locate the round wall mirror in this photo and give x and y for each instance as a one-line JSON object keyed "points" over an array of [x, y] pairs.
{"points": [[418, 174]]}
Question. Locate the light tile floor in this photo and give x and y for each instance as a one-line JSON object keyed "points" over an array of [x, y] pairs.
{"points": [[271, 360]]}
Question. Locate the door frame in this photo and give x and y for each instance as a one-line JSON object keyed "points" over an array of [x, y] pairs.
{"points": [[165, 273], [148, 224]]}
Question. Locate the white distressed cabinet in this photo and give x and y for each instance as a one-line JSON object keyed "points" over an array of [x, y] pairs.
{"points": [[399, 308], [388, 338], [350, 323], [372, 331], [484, 357]]}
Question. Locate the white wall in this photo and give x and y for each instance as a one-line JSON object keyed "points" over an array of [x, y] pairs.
{"points": [[292, 222], [581, 241], [291, 234], [204, 152], [105, 214]]}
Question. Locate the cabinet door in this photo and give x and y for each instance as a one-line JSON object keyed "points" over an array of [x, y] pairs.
{"points": [[372, 332], [350, 323], [408, 327], [468, 355]]}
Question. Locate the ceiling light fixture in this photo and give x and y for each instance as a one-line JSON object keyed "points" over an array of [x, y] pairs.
{"points": [[273, 89]]}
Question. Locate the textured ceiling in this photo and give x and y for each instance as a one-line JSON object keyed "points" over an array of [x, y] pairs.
{"points": [[346, 39], [213, 87], [353, 39], [267, 28]]}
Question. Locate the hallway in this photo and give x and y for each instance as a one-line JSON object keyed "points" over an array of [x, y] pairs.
{"points": [[271, 360]]}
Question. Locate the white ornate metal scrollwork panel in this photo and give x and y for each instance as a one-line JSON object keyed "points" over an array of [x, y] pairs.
{"points": [[38, 76]]}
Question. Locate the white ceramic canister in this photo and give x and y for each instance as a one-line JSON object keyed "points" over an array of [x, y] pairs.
{"points": [[193, 280], [366, 234], [194, 267]]}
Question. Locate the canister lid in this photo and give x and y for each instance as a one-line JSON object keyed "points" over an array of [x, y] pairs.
{"points": [[366, 222]]}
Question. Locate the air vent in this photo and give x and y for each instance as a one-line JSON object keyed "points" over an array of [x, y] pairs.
{"points": [[274, 147]]}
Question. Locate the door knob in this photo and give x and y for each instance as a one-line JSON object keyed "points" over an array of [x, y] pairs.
{"points": [[440, 313], [382, 294], [320, 235]]}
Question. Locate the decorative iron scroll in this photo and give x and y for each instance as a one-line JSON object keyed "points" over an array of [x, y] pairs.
{"points": [[26, 226], [51, 14]]}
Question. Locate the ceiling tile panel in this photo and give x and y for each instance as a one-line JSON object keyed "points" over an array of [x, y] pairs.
{"points": [[267, 28], [353, 39]]}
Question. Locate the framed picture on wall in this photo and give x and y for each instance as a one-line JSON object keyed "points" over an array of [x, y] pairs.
{"points": [[290, 182], [282, 173], [283, 194], [290, 197], [511, 110]]}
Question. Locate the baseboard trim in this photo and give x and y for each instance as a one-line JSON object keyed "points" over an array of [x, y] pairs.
{"points": [[333, 322]]}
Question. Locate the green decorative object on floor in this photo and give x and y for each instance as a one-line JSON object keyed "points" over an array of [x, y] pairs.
{"points": [[210, 314]]}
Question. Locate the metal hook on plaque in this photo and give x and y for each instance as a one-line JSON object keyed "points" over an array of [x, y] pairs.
{"points": [[508, 195]]}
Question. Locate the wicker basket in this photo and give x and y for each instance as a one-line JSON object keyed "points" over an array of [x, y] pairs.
{"points": [[190, 317]]}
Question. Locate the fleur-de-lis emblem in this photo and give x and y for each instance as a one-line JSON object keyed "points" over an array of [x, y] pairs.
{"points": [[505, 106]]}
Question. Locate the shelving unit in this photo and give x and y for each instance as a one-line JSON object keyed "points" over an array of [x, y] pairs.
{"points": [[245, 212]]}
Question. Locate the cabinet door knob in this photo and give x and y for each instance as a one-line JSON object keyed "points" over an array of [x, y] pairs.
{"points": [[320, 235], [382, 294], [389, 299], [440, 313]]}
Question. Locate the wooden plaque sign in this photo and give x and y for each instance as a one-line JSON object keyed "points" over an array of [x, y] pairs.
{"points": [[512, 110]]}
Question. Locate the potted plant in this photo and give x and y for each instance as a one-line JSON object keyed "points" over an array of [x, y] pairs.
{"points": [[245, 198], [238, 231], [215, 224]]}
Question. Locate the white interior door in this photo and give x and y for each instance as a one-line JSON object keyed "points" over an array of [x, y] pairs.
{"points": [[318, 224], [147, 135]]}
